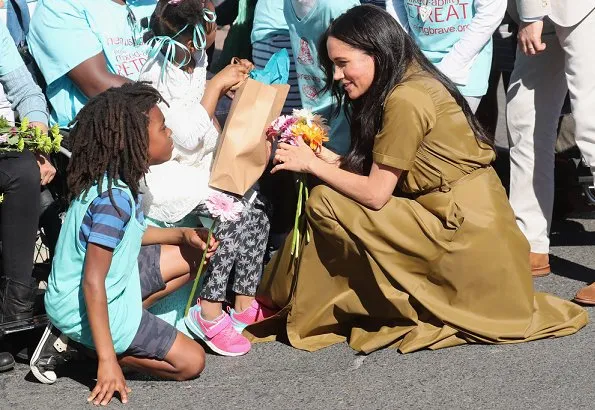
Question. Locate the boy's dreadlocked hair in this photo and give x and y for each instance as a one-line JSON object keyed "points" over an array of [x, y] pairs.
{"points": [[110, 139], [168, 19]]}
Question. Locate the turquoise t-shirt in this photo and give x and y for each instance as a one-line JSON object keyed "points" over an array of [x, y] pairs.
{"points": [[269, 20], [65, 33], [443, 27], [64, 298], [10, 59], [305, 34]]}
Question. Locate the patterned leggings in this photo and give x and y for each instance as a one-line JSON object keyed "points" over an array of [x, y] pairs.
{"points": [[242, 244]]}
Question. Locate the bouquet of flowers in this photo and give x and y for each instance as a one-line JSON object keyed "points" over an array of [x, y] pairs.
{"points": [[288, 129], [25, 136]]}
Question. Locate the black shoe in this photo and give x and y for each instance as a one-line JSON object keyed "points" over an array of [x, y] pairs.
{"points": [[16, 299], [6, 361], [53, 350]]}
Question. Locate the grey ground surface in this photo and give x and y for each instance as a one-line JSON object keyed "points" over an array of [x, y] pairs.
{"points": [[549, 374]]}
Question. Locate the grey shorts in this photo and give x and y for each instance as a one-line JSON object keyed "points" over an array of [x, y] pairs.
{"points": [[154, 337]]}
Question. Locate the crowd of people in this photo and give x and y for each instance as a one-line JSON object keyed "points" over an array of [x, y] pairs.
{"points": [[399, 249]]}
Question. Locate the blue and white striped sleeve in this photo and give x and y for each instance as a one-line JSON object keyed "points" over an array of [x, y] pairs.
{"points": [[104, 224]]}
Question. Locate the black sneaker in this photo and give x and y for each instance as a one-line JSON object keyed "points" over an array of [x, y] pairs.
{"points": [[52, 351]]}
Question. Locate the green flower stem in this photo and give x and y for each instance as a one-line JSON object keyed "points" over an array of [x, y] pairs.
{"points": [[298, 216], [200, 268], [307, 192], [296, 222]]}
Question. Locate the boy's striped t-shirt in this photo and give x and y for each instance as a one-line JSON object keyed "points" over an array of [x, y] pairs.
{"points": [[104, 224]]}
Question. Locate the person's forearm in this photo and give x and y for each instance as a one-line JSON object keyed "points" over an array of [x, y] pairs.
{"points": [[25, 96], [92, 76], [355, 186], [531, 11], [457, 63], [211, 97], [164, 236], [96, 305], [329, 156], [103, 83]]}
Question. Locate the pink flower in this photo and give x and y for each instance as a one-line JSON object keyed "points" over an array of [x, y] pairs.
{"points": [[224, 207], [288, 137], [283, 123]]}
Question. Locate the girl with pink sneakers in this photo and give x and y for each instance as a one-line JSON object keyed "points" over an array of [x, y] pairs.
{"points": [[179, 33]]}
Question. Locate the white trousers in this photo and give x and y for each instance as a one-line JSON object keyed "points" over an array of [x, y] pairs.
{"points": [[534, 102]]}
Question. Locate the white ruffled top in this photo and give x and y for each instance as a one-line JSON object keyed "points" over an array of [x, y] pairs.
{"points": [[175, 188]]}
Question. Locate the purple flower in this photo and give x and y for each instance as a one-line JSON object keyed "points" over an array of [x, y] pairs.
{"points": [[283, 123]]}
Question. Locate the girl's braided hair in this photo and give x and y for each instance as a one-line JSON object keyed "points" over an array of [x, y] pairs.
{"points": [[110, 139]]}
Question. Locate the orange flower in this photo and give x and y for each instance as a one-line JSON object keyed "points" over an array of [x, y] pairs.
{"points": [[314, 135]]}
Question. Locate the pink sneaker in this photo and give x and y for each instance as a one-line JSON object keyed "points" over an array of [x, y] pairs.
{"points": [[219, 335], [255, 313]]}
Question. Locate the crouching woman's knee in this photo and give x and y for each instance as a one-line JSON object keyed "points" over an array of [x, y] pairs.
{"points": [[321, 203]]}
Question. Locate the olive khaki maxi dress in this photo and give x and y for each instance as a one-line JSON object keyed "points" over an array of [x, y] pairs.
{"points": [[440, 265]]}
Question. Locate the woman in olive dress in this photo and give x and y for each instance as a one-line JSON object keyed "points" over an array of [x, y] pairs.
{"points": [[413, 243]]}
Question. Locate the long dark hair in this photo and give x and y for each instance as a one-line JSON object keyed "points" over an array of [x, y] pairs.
{"points": [[372, 30]]}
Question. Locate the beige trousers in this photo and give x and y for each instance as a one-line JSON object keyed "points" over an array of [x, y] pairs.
{"points": [[534, 101]]}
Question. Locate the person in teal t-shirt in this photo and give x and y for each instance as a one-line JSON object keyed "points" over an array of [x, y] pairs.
{"points": [[307, 21], [270, 34], [456, 36], [109, 265], [84, 47]]}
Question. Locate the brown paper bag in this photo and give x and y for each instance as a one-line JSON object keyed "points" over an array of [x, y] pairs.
{"points": [[241, 156]]}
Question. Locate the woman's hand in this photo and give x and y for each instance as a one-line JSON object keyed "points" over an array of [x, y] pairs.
{"points": [[110, 379], [197, 238], [230, 77], [291, 158], [329, 156]]}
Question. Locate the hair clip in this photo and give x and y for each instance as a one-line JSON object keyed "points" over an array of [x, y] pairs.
{"points": [[174, 2]]}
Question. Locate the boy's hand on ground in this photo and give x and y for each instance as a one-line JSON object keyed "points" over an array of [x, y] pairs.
{"points": [[197, 238], [110, 379]]}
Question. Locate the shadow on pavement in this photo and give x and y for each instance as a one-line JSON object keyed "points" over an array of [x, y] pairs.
{"points": [[571, 270]]}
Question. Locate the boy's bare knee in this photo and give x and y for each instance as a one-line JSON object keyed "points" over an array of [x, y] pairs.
{"points": [[193, 366]]}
